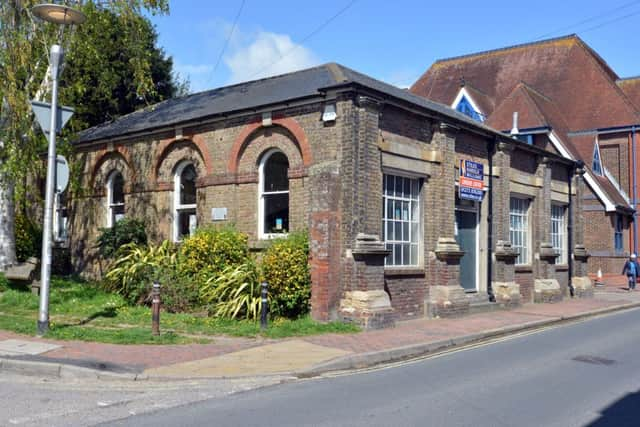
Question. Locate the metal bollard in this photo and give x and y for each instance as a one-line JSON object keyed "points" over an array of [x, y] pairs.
{"points": [[155, 309], [265, 307]]}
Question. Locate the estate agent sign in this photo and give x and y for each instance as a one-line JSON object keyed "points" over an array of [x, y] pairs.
{"points": [[471, 180]]}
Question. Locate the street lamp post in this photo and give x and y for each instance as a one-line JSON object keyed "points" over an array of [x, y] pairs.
{"points": [[62, 15]]}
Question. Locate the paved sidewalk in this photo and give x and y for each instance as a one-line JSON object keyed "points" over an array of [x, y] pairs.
{"points": [[305, 356]]}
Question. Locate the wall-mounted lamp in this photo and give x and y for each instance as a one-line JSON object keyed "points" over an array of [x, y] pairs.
{"points": [[329, 113]]}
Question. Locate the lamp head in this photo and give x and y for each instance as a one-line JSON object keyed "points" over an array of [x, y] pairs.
{"points": [[58, 14]]}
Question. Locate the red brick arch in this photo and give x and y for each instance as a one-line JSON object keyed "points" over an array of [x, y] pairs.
{"points": [[290, 124], [104, 154], [196, 139]]}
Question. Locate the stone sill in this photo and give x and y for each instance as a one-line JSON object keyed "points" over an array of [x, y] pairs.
{"points": [[524, 269], [411, 271]]}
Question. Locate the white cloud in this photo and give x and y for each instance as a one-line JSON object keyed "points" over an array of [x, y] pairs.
{"points": [[269, 54], [199, 75]]}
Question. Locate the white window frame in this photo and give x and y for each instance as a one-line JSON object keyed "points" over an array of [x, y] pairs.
{"points": [[110, 204], [596, 152], [559, 232], [618, 231], [415, 209], [521, 237], [177, 206], [60, 221], [262, 194]]}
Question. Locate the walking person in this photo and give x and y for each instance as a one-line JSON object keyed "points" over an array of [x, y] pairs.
{"points": [[632, 270]]}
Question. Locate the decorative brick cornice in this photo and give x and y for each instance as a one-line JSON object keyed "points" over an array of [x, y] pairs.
{"points": [[288, 123]]}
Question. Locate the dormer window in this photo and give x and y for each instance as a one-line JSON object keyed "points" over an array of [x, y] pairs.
{"points": [[465, 105], [596, 165]]}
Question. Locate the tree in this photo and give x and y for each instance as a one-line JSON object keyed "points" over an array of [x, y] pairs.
{"points": [[24, 44]]}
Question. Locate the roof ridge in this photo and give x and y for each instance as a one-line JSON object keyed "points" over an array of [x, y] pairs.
{"points": [[502, 49], [534, 90], [537, 110], [624, 79]]}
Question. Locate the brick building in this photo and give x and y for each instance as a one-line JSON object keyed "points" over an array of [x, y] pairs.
{"points": [[570, 102], [370, 170]]}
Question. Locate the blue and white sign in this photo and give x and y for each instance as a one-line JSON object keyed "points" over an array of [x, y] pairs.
{"points": [[471, 169], [471, 194]]}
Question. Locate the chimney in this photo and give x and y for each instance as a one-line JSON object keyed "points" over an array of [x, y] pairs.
{"points": [[514, 129]]}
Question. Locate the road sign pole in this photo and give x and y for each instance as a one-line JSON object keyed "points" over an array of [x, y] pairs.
{"points": [[57, 55]]}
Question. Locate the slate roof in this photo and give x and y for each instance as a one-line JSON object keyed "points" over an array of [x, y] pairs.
{"points": [[559, 83], [250, 95]]}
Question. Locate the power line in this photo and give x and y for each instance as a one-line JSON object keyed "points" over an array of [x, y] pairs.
{"points": [[592, 18], [307, 37], [226, 43], [611, 21]]}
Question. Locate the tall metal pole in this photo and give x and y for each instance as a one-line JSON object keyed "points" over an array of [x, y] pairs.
{"points": [[56, 58]]}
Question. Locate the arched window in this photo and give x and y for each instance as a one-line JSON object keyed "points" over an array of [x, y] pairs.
{"points": [[274, 194], [184, 215], [115, 198]]}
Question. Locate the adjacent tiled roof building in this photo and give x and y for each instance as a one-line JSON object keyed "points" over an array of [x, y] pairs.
{"points": [[567, 99]]}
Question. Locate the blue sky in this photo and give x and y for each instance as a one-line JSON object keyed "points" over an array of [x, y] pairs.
{"points": [[394, 41]]}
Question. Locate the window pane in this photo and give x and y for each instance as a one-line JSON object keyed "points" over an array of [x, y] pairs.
{"points": [[276, 213], [388, 190], [187, 222], [390, 234], [414, 188], [389, 209], [188, 186], [117, 188], [276, 173], [407, 188], [398, 230], [397, 254], [414, 254], [405, 232]]}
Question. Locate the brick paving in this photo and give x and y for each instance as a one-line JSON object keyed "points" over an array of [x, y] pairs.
{"points": [[140, 357]]}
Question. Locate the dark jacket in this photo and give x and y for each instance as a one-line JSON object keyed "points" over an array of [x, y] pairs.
{"points": [[626, 270]]}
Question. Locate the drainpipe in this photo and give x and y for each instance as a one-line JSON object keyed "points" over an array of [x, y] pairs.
{"points": [[572, 171], [490, 152], [635, 189]]}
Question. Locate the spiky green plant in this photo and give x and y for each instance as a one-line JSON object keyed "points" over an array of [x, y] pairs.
{"points": [[234, 293]]}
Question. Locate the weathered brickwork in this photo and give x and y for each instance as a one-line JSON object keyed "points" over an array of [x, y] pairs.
{"points": [[336, 174]]}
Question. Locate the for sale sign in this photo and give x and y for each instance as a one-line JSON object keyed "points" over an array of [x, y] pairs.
{"points": [[471, 180]]}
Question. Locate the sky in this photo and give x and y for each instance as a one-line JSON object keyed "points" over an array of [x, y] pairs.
{"points": [[216, 43]]}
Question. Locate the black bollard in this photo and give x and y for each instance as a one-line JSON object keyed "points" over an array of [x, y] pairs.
{"points": [[265, 307], [155, 309]]}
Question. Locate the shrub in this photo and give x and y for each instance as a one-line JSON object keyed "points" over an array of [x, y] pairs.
{"points": [[127, 230], [137, 267], [4, 283], [210, 250], [28, 238], [234, 292], [286, 269]]}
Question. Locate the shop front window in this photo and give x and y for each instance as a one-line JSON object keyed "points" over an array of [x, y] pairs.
{"points": [[401, 220], [519, 229]]}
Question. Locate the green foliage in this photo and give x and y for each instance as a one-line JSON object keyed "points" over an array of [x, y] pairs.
{"points": [[127, 230], [234, 293], [114, 68], [285, 268], [25, 42], [134, 272], [4, 283], [28, 238], [210, 250]]}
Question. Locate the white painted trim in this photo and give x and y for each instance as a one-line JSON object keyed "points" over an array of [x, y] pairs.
{"points": [[609, 206], [110, 204], [463, 92], [263, 162], [177, 206]]}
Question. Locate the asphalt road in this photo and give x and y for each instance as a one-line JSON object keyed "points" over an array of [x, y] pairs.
{"points": [[585, 374]]}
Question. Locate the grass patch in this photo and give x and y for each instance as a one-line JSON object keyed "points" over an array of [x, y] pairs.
{"points": [[80, 310]]}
